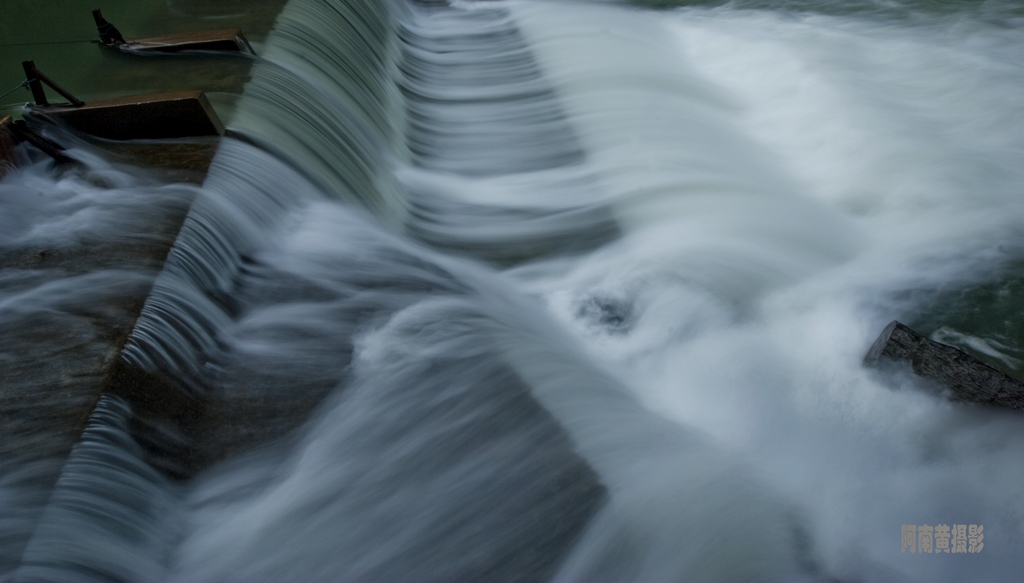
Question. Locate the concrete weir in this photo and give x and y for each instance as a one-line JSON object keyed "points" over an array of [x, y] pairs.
{"points": [[487, 129], [67, 311], [187, 391]]}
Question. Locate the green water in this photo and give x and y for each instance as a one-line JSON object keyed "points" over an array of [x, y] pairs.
{"points": [[60, 36], [983, 318]]}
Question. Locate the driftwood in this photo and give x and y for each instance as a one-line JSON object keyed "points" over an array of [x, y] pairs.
{"points": [[966, 377], [8, 142], [13, 133], [230, 40]]}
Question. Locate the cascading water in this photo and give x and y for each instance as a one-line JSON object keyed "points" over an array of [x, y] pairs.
{"points": [[548, 291]]}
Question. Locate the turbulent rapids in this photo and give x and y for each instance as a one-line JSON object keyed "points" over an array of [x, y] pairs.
{"points": [[534, 290]]}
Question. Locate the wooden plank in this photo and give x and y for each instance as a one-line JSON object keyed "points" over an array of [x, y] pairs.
{"points": [[158, 116], [227, 40], [966, 377]]}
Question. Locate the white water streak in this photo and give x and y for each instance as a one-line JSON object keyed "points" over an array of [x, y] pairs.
{"points": [[849, 161]]}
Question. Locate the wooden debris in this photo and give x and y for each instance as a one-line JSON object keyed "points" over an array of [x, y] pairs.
{"points": [[13, 133], [966, 377], [8, 158], [139, 117], [230, 40]]}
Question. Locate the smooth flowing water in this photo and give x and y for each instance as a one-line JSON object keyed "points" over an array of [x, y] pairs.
{"points": [[575, 291]]}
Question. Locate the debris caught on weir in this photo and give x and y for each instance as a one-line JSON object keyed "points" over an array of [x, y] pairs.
{"points": [[13, 133], [230, 40], [966, 377], [8, 142], [156, 116]]}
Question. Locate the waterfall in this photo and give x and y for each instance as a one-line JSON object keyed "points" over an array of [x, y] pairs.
{"points": [[537, 290], [108, 518]]}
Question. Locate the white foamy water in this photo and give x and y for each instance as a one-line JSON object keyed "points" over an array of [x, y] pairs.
{"points": [[788, 181], [723, 209]]}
